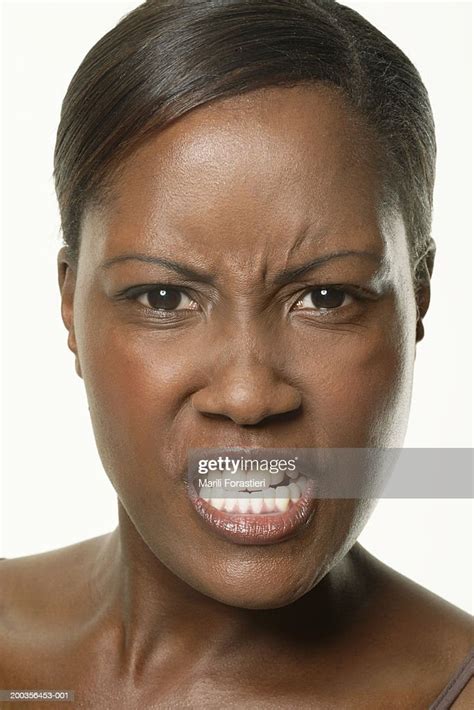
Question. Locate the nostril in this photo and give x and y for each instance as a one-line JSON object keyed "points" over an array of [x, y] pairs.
{"points": [[249, 402], [282, 417]]}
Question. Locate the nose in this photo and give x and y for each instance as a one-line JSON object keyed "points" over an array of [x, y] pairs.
{"points": [[247, 391]]}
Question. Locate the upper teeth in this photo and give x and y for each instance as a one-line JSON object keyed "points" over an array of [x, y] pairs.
{"points": [[245, 480], [259, 500]]}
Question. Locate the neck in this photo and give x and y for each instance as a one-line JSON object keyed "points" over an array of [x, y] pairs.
{"points": [[158, 614]]}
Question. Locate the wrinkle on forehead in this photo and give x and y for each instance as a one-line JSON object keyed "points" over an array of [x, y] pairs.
{"points": [[256, 176]]}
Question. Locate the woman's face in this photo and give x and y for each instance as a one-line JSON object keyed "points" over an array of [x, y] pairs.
{"points": [[235, 195]]}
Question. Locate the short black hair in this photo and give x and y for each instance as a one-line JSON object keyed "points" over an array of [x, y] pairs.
{"points": [[168, 57]]}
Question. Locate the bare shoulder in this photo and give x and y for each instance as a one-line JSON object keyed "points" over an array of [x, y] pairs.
{"points": [[429, 637], [46, 585], [51, 631], [434, 619]]}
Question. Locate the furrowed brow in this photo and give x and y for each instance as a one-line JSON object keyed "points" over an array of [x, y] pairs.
{"points": [[182, 269], [289, 275]]}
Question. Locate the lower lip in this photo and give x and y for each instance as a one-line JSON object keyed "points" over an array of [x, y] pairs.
{"points": [[261, 529]]}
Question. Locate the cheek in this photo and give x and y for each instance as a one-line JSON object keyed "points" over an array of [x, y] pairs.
{"points": [[361, 387], [136, 384]]}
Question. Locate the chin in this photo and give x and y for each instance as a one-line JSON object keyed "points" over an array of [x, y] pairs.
{"points": [[248, 597], [248, 587]]}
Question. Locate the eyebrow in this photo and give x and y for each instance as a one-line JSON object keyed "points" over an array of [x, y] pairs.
{"points": [[282, 278], [185, 271], [289, 275]]}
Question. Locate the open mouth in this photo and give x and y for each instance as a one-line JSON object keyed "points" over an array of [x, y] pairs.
{"points": [[254, 507], [252, 492]]}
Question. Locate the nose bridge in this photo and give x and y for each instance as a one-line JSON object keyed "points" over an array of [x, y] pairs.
{"points": [[247, 335], [249, 344], [247, 381]]}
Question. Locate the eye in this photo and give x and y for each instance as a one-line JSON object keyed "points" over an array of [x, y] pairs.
{"points": [[166, 298], [324, 298]]}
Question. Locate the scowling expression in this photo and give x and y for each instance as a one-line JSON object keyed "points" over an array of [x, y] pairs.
{"points": [[243, 288]]}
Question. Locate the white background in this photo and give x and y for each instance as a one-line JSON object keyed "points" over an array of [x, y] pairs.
{"points": [[55, 491]]}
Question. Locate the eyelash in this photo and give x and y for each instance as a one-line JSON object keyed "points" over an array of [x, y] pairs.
{"points": [[133, 294]]}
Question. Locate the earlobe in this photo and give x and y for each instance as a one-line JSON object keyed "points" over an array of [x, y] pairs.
{"points": [[67, 284], [78, 366], [423, 293], [422, 304], [420, 330]]}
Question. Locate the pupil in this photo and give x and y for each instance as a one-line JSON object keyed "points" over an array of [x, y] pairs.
{"points": [[164, 298], [325, 297]]}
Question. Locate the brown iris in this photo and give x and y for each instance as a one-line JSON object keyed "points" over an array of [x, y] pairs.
{"points": [[164, 297], [327, 297]]}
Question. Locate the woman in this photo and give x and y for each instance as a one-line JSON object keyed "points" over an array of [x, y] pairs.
{"points": [[245, 193]]}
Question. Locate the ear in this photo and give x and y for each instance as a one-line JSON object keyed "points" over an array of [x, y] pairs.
{"points": [[67, 270], [423, 273]]}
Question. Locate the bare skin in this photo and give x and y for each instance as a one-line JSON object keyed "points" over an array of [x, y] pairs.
{"points": [[162, 612]]}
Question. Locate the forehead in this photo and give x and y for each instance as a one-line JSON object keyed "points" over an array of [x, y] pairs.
{"points": [[259, 168]]}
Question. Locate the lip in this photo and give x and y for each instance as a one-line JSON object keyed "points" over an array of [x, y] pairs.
{"points": [[257, 529]]}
